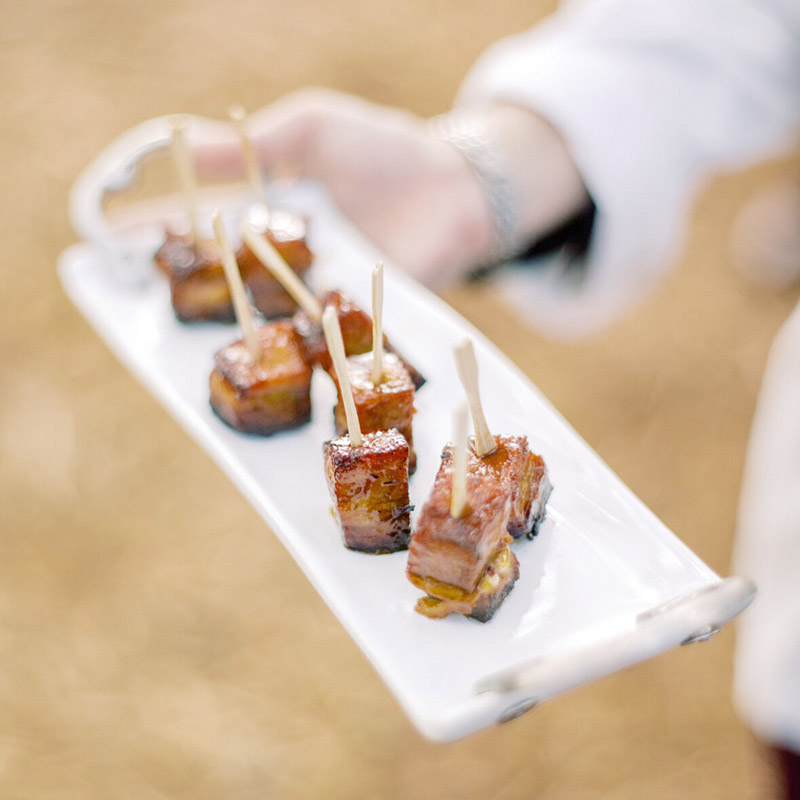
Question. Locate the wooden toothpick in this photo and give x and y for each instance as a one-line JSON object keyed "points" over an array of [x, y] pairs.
{"points": [[239, 116], [458, 496], [241, 305], [467, 368], [377, 323], [266, 253], [186, 174], [333, 337]]}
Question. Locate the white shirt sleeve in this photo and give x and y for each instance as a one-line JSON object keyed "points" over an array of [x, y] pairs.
{"points": [[767, 675], [650, 96]]}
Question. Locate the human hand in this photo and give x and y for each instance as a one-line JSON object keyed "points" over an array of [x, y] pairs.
{"points": [[414, 196]]}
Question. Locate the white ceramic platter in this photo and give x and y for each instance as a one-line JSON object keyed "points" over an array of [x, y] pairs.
{"points": [[583, 606]]}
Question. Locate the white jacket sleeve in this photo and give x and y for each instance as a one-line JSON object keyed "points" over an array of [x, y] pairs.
{"points": [[650, 97]]}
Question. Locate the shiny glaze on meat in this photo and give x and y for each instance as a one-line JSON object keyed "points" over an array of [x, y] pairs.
{"points": [[523, 475], [355, 324], [369, 489], [287, 233], [456, 552], [267, 396], [389, 404], [281, 361], [197, 278]]}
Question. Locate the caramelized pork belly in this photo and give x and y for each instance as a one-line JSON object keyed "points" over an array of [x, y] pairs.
{"points": [[355, 324], [522, 474], [196, 278], [456, 551], [287, 234], [463, 563], [369, 489], [356, 327], [390, 404], [267, 396]]}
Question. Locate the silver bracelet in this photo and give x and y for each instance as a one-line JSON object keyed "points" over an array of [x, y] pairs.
{"points": [[466, 131]]}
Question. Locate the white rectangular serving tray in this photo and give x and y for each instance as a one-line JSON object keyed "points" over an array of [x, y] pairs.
{"points": [[605, 584]]}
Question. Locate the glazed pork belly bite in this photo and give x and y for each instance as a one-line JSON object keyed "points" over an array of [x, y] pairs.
{"points": [[356, 327], [354, 323], [287, 234], [522, 474], [389, 404], [369, 489], [196, 276], [266, 396], [463, 564]]}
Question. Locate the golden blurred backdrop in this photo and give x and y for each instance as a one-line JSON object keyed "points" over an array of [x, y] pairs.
{"points": [[157, 641]]}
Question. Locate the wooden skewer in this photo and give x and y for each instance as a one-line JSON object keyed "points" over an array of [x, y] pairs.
{"points": [[333, 336], [238, 116], [186, 174], [241, 305], [266, 253], [458, 496], [377, 323], [467, 368]]}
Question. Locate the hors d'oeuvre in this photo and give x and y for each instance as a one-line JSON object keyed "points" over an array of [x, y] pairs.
{"points": [[196, 277], [459, 554], [190, 261], [387, 403], [268, 393], [367, 474], [522, 473], [368, 484], [287, 234], [354, 323], [262, 383]]}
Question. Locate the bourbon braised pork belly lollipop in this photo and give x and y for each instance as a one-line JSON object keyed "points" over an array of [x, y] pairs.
{"points": [[284, 231], [507, 458], [382, 389], [192, 263], [459, 554], [262, 383], [366, 473]]}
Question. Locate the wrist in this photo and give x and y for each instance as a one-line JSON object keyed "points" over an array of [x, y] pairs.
{"points": [[527, 179]]}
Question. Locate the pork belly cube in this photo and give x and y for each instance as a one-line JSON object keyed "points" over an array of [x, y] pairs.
{"points": [[356, 327], [197, 281], [355, 324], [390, 404], [522, 473], [369, 489], [270, 395], [455, 551], [463, 564], [287, 234]]}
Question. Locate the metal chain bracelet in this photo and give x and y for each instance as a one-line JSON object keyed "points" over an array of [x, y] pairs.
{"points": [[466, 131]]}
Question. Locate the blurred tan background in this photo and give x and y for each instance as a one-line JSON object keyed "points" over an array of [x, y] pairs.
{"points": [[156, 640]]}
